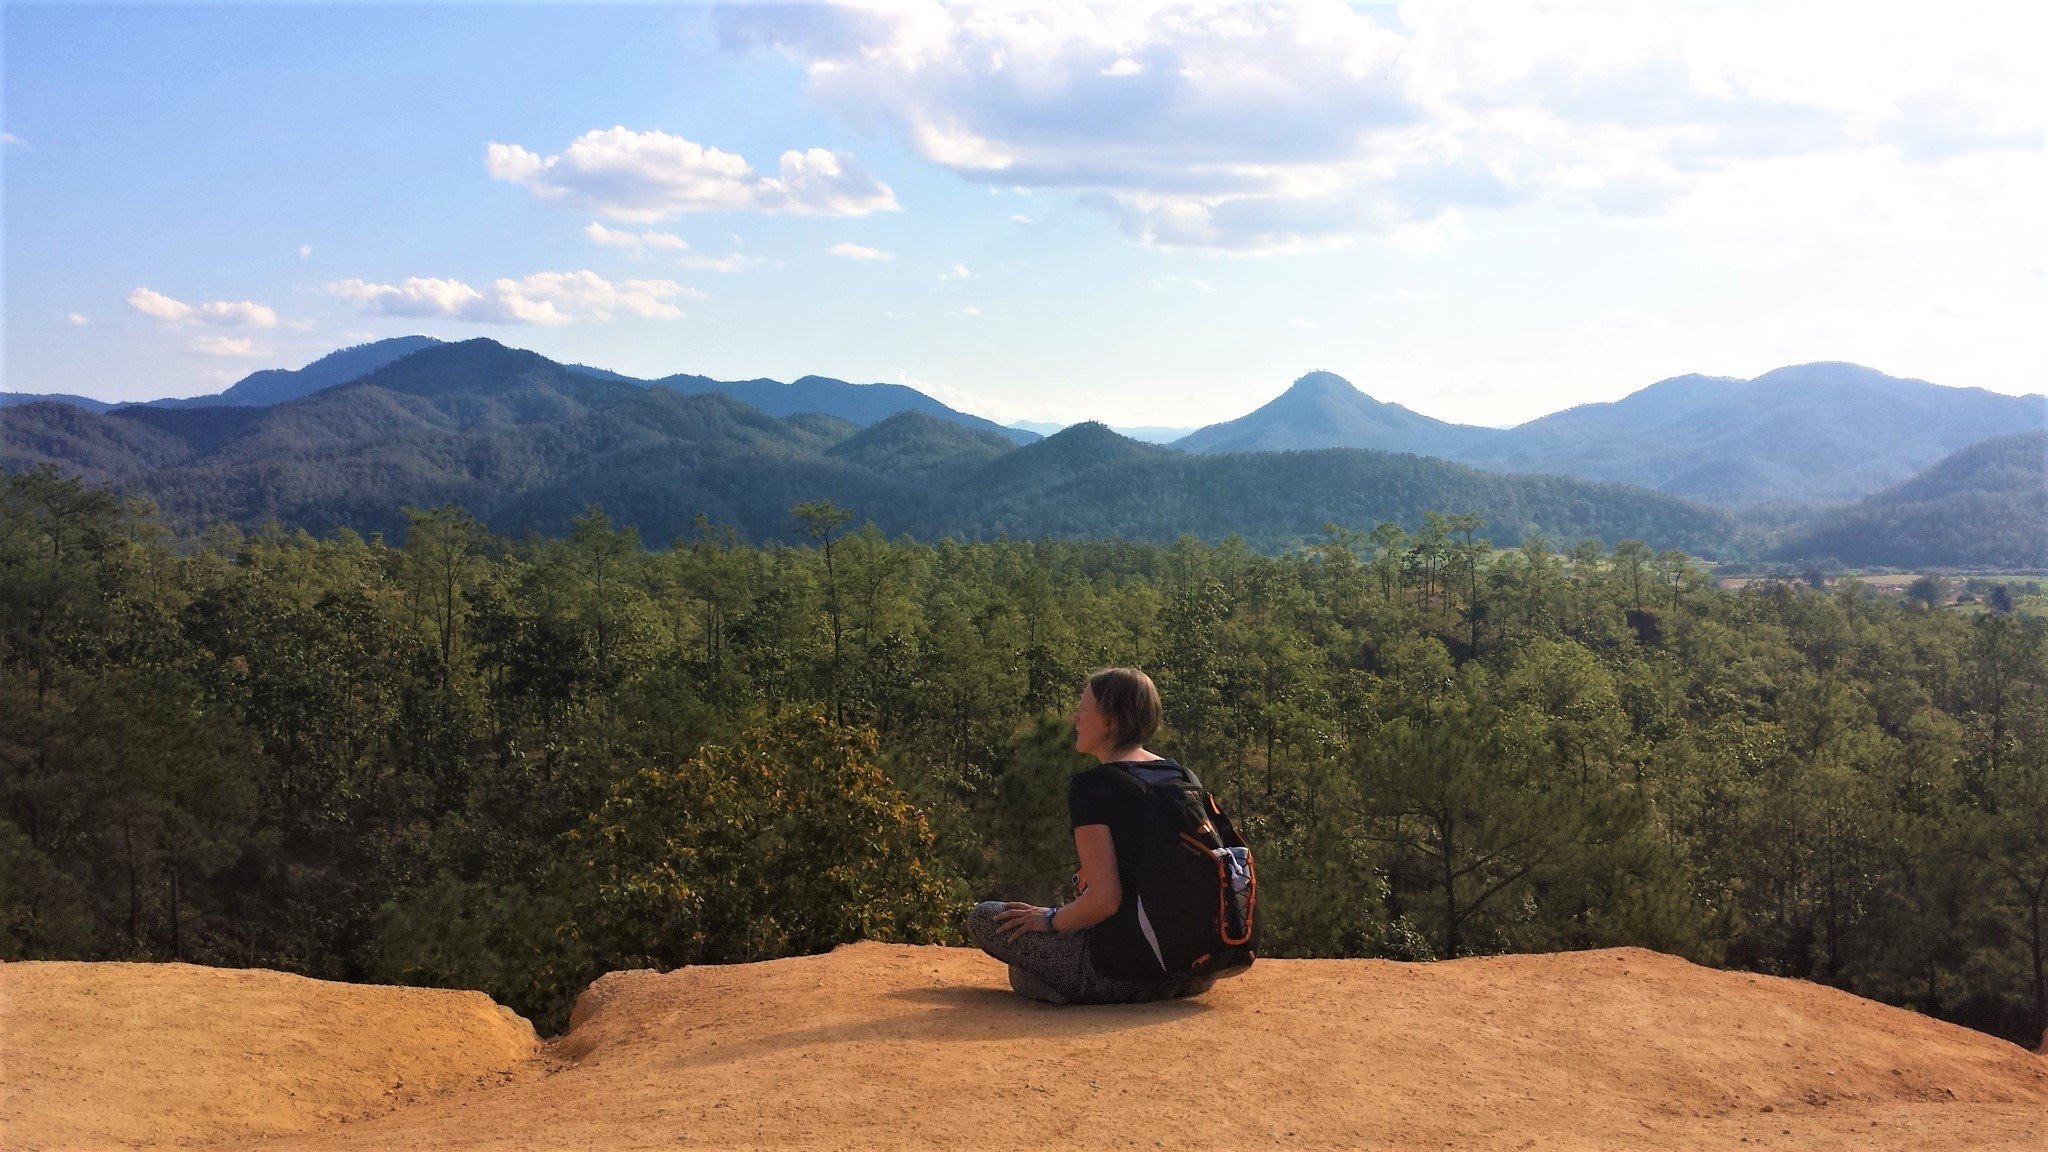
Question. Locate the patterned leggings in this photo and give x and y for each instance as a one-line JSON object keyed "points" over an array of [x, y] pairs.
{"points": [[1055, 967]]}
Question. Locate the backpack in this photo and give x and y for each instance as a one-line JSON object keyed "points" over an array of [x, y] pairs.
{"points": [[1194, 893]]}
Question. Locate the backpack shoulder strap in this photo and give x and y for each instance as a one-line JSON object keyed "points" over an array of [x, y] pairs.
{"points": [[1124, 767]]}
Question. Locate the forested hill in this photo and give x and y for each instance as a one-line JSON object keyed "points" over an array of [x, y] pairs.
{"points": [[1984, 507], [862, 404], [527, 443], [1323, 410], [1807, 433], [268, 386], [15, 399], [1109, 485], [1803, 435], [277, 385]]}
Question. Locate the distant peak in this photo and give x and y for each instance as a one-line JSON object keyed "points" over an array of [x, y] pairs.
{"points": [[1320, 382], [1826, 372]]}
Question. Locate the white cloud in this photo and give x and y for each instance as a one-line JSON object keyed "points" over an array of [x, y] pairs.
{"points": [[705, 262], [237, 314], [1020, 218], [550, 298], [1302, 323], [568, 297], [1297, 126], [77, 319], [305, 251], [158, 305], [236, 346], [824, 183], [641, 177], [640, 244], [418, 296], [970, 310], [635, 241], [956, 272], [11, 138], [220, 313], [1181, 282], [859, 252]]}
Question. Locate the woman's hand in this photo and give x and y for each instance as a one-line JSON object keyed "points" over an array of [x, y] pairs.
{"points": [[1017, 918]]}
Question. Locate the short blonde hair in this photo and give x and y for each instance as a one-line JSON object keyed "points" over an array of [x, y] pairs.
{"points": [[1131, 702]]}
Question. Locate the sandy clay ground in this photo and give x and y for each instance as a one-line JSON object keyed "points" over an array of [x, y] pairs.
{"points": [[884, 1047]]}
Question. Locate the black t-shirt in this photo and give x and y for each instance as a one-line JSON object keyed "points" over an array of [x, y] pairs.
{"points": [[1097, 796]]}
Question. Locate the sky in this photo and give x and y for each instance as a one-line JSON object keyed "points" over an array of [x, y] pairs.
{"points": [[1147, 214]]}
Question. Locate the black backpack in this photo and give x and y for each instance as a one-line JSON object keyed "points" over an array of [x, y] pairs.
{"points": [[1191, 899]]}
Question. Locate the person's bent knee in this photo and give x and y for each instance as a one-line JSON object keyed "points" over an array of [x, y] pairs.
{"points": [[981, 924]]}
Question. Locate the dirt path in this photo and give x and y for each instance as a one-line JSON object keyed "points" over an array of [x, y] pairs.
{"points": [[879, 1046]]}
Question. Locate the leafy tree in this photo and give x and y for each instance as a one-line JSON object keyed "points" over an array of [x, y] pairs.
{"points": [[1927, 591], [441, 566], [1461, 829], [820, 518], [789, 840]]}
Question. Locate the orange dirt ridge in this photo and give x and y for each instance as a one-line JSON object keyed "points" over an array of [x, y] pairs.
{"points": [[886, 1046]]}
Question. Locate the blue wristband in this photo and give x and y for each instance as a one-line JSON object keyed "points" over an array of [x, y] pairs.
{"points": [[1049, 912]]}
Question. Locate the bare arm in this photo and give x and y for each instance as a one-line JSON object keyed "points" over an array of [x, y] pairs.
{"points": [[1105, 889]]}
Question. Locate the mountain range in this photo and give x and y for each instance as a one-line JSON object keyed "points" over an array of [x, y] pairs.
{"points": [[267, 386], [1811, 433], [336, 442], [1800, 436], [528, 443], [861, 403]]}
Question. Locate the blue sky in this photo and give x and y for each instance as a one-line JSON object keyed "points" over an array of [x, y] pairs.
{"points": [[1147, 215]]}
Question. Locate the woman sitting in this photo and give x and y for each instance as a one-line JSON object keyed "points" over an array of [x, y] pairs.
{"points": [[1059, 954]]}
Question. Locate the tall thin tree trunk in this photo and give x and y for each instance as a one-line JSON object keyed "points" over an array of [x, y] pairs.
{"points": [[2040, 962], [1269, 758], [134, 890], [177, 921], [1450, 895]]}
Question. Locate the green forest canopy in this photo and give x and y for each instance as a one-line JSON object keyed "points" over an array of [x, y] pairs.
{"points": [[512, 765]]}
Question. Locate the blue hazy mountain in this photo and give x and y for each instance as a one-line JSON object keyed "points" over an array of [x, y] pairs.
{"points": [[1324, 410], [1810, 433], [1827, 432], [1149, 433], [277, 385], [527, 443], [268, 386], [1796, 436], [863, 404], [10, 399]]}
